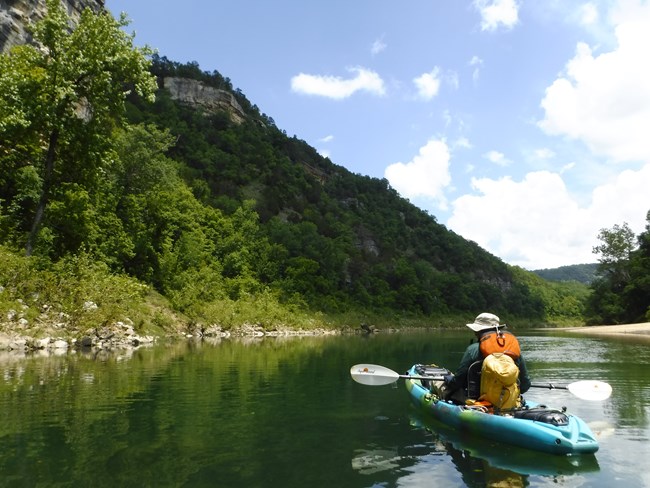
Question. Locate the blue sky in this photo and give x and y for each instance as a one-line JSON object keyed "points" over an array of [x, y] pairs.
{"points": [[521, 125]]}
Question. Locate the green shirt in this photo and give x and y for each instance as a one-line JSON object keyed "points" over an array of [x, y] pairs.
{"points": [[473, 354]]}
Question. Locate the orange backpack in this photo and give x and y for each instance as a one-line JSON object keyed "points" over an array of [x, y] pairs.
{"points": [[499, 342], [499, 373]]}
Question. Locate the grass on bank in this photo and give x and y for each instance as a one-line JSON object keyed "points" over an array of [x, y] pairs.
{"points": [[77, 293]]}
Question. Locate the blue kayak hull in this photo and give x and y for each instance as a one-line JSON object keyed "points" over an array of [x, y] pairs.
{"points": [[573, 438]]}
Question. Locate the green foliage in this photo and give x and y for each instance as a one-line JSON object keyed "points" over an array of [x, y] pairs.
{"points": [[564, 302], [231, 222], [264, 309], [81, 279], [621, 294], [58, 105], [615, 248], [43, 292], [582, 273]]}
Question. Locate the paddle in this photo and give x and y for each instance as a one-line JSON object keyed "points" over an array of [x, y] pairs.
{"points": [[375, 375], [591, 390]]}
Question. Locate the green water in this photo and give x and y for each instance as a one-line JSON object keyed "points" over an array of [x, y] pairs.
{"points": [[285, 413]]}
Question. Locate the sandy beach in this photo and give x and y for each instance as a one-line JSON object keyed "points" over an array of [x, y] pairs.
{"points": [[641, 330]]}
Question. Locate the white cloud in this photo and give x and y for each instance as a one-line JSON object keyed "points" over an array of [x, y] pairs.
{"points": [[588, 14], [339, 88], [476, 63], [462, 142], [604, 100], [378, 46], [536, 223], [428, 84], [497, 158], [514, 220], [326, 153], [625, 199], [496, 13], [544, 153], [425, 176], [567, 167]]}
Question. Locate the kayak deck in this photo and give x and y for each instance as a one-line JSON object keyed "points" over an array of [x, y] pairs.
{"points": [[532, 426]]}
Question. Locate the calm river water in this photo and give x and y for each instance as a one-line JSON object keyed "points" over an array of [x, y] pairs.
{"points": [[285, 413]]}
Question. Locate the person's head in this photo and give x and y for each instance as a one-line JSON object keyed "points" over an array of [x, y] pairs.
{"points": [[484, 322]]}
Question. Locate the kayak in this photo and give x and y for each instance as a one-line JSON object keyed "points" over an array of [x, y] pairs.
{"points": [[532, 426], [461, 447]]}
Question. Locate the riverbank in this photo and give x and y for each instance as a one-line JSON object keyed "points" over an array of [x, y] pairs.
{"points": [[641, 330], [122, 335]]}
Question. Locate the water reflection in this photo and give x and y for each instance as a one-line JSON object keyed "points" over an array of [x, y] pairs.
{"points": [[285, 412], [468, 449], [477, 462], [371, 461]]}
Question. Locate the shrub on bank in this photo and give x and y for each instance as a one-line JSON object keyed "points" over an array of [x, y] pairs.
{"points": [[73, 294]]}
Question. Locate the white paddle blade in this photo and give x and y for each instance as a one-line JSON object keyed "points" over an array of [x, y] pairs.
{"points": [[591, 390], [373, 375]]}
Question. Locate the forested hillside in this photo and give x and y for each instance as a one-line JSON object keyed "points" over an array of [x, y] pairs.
{"points": [[340, 240], [222, 213], [582, 273]]}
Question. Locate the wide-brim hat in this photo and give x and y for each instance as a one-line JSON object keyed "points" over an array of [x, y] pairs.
{"points": [[485, 321]]}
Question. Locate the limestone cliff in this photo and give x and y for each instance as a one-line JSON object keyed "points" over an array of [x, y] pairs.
{"points": [[204, 97], [16, 15]]}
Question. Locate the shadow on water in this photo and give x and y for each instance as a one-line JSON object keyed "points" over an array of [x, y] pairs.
{"points": [[478, 461], [469, 448]]}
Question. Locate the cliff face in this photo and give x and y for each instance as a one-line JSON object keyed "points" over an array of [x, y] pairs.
{"points": [[16, 15], [203, 97]]}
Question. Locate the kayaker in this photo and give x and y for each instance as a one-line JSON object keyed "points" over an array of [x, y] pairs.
{"points": [[486, 327]]}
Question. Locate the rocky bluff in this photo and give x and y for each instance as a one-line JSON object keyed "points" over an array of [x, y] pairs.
{"points": [[204, 98], [16, 15]]}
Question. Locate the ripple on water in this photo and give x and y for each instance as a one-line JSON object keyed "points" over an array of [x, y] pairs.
{"points": [[564, 350]]}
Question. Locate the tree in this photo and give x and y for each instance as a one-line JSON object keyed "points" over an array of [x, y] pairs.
{"points": [[616, 247], [637, 293], [621, 292], [61, 98]]}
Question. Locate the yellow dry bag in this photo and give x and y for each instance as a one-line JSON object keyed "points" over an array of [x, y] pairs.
{"points": [[499, 386]]}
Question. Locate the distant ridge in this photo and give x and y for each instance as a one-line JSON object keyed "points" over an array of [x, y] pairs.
{"points": [[582, 273]]}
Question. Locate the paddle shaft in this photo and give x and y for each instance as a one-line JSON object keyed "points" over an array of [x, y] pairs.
{"points": [[412, 377], [376, 375], [549, 386]]}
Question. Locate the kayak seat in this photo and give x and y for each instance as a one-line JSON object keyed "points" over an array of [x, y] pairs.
{"points": [[474, 380], [433, 371], [545, 415]]}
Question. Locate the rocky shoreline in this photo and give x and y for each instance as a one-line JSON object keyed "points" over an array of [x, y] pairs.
{"points": [[49, 331], [18, 339]]}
